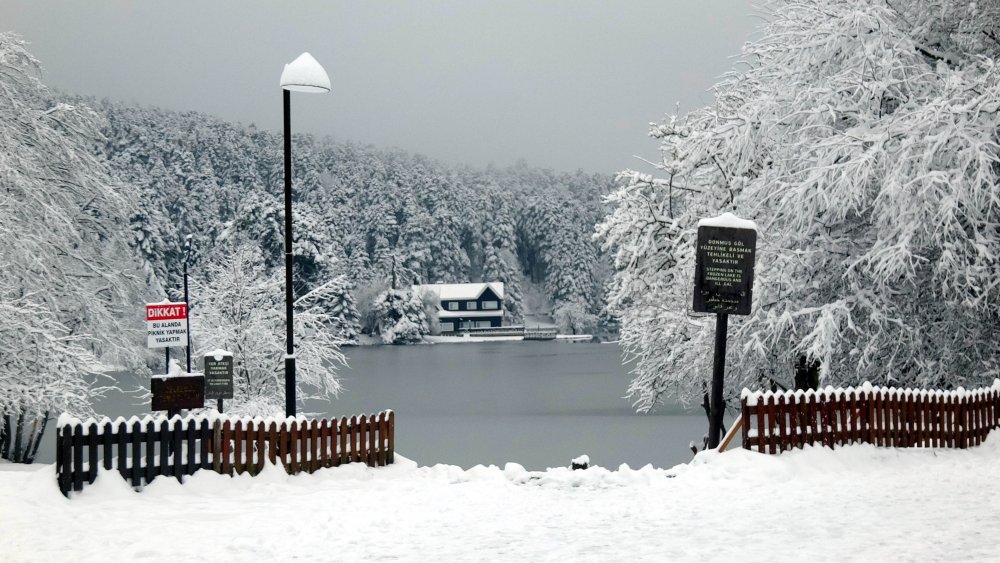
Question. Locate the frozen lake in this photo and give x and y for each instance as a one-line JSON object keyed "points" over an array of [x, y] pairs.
{"points": [[539, 404]]}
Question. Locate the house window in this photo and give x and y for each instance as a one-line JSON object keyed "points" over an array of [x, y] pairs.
{"points": [[490, 305], [470, 305], [447, 327], [483, 324], [453, 305]]}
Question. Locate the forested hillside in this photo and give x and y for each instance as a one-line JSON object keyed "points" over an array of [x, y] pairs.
{"points": [[372, 215]]}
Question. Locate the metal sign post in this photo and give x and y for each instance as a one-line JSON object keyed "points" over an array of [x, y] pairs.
{"points": [[166, 326], [723, 284]]}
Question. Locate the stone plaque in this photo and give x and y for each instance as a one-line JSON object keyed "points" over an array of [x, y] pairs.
{"points": [[173, 393], [218, 377], [723, 272]]}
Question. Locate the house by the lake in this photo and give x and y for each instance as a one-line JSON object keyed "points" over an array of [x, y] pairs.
{"points": [[463, 306]]}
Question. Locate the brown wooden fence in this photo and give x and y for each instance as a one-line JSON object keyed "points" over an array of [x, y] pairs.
{"points": [[900, 418], [142, 449]]}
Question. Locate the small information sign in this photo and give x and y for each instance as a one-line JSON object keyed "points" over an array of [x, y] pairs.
{"points": [[219, 375], [166, 324], [723, 272], [175, 393]]}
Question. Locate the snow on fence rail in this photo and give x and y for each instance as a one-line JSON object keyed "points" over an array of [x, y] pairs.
{"points": [[153, 446], [882, 416]]}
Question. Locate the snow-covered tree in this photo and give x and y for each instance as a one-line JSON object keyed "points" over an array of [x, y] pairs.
{"points": [[238, 308], [862, 136], [68, 280], [337, 299], [399, 317], [573, 317]]}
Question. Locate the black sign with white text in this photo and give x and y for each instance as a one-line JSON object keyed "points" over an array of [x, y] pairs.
{"points": [[218, 377], [723, 272]]}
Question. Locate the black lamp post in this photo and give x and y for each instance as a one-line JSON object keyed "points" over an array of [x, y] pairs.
{"points": [[187, 302], [303, 74]]}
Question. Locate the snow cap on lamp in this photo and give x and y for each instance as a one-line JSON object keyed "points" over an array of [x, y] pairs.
{"points": [[305, 74]]}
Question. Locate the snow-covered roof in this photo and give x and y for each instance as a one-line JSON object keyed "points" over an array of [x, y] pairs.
{"points": [[461, 291], [443, 314], [728, 220]]}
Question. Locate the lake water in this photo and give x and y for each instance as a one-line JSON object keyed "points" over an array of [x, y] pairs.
{"points": [[539, 404]]}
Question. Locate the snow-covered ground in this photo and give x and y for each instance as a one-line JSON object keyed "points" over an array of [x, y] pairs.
{"points": [[858, 503]]}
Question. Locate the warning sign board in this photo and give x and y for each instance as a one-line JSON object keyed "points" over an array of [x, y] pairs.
{"points": [[166, 325]]}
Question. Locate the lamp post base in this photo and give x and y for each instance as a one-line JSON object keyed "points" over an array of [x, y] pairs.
{"points": [[290, 386]]}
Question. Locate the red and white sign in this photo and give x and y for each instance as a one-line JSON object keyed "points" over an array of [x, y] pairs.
{"points": [[166, 325]]}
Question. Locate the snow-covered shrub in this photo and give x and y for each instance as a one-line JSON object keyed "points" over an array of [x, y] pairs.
{"points": [[235, 306]]}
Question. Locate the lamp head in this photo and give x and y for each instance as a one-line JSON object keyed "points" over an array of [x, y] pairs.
{"points": [[305, 74]]}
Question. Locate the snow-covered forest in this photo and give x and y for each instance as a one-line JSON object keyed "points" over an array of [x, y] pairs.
{"points": [[369, 214], [103, 202], [862, 137]]}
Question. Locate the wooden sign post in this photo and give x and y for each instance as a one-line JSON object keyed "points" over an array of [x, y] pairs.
{"points": [[723, 284], [175, 393]]}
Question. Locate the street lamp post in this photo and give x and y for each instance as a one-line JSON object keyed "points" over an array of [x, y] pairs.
{"points": [[303, 74], [187, 302]]}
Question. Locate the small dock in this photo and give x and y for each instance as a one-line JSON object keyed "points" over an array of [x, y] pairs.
{"points": [[539, 333]]}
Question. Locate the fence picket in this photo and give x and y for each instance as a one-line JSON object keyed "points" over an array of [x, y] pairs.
{"points": [[964, 417], [779, 420], [372, 432], [107, 440], [939, 421], [149, 430], [382, 427], [64, 456], [190, 429], [794, 416], [324, 443], [239, 438], [345, 431], [949, 422], [136, 468], [226, 449], [392, 436], [122, 439], [162, 435], [78, 458], [362, 454], [761, 429], [92, 453], [292, 439], [354, 455], [272, 443]]}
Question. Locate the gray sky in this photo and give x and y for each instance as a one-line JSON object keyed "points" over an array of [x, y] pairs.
{"points": [[564, 85]]}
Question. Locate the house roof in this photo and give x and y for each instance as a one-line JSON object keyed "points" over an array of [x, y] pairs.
{"points": [[461, 291]]}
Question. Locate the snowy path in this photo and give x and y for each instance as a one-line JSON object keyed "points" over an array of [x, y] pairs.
{"points": [[856, 503]]}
